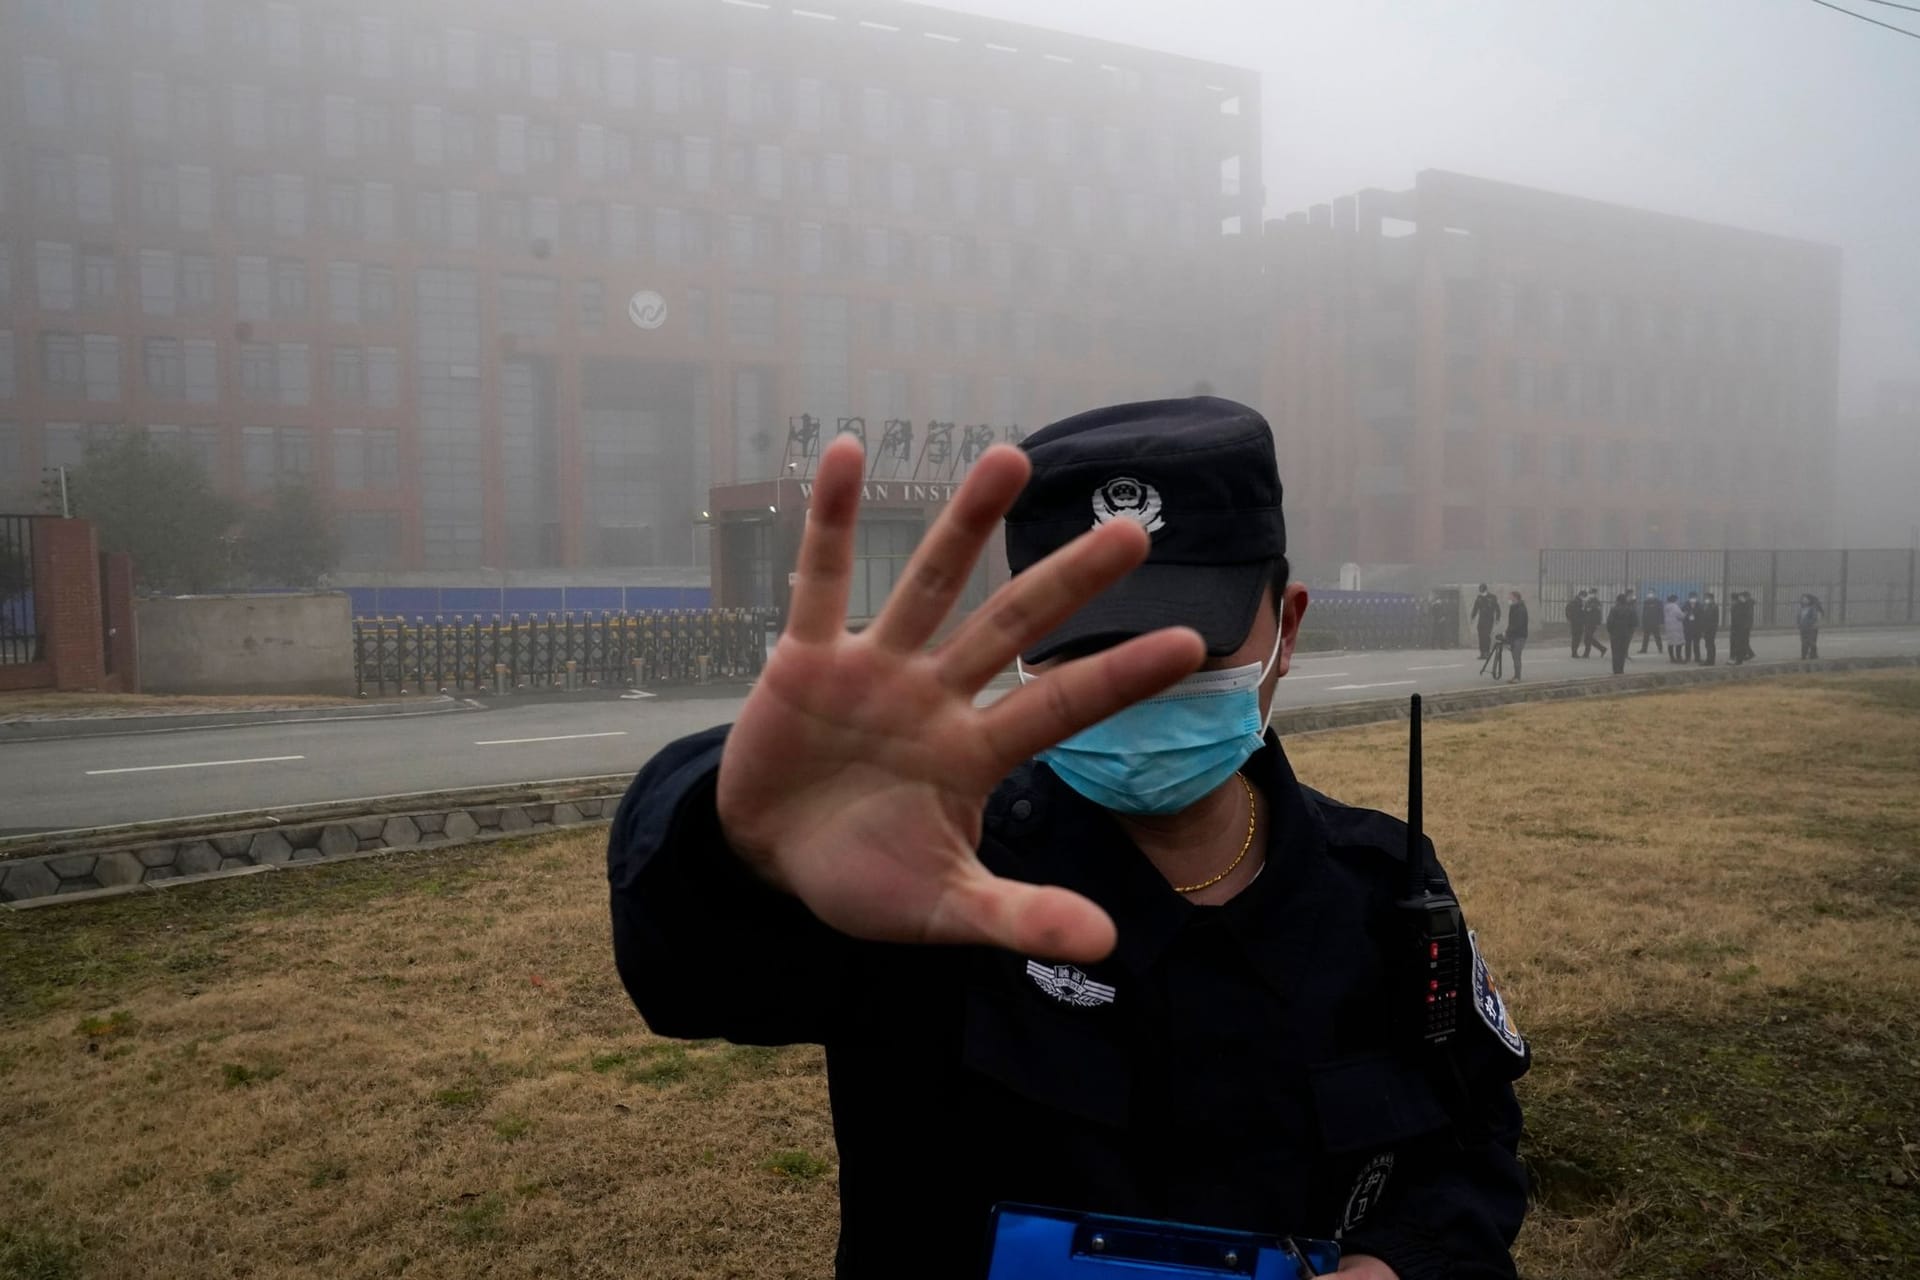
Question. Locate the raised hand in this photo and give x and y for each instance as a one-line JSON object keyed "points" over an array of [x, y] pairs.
{"points": [[858, 770]]}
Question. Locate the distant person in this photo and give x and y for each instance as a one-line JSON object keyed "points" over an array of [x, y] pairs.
{"points": [[1516, 631], [1576, 622], [1486, 616], [1676, 629], [1807, 617], [1653, 621], [1740, 619], [1620, 623], [1596, 615], [1690, 627], [1708, 624]]}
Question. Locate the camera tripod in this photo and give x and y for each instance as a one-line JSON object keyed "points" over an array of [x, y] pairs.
{"points": [[1492, 663]]}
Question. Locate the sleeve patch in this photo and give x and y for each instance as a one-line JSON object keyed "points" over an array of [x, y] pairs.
{"points": [[1492, 1006]]}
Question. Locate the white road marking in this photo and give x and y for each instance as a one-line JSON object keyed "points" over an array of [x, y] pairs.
{"points": [[1324, 675], [558, 737], [1381, 684], [194, 764], [634, 695], [1439, 666]]}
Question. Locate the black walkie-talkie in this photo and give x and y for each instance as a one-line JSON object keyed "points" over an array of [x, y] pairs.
{"points": [[1435, 934]]}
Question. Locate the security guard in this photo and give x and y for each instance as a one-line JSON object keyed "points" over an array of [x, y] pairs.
{"points": [[1131, 1017]]}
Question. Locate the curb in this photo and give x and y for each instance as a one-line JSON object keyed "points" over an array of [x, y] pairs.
{"points": [[59, 729], [87, 865]]}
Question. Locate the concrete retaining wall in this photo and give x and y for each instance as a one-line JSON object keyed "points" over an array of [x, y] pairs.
{"points": [[296, 643]]}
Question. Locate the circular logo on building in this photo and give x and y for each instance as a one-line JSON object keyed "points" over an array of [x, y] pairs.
{"points": [[647, 310]]}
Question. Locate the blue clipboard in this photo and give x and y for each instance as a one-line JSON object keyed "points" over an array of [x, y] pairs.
{"points": [[1034, 1243]]}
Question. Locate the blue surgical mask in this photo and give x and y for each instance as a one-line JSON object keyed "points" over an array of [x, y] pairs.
{"points": [[1164, 754]]}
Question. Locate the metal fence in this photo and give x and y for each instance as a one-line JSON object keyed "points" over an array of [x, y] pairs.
{"points": [[1865, 587], [1369, 619], [558, 651], [19, 629]]}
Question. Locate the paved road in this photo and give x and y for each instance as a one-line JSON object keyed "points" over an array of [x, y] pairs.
{"points": [[100, 781]]}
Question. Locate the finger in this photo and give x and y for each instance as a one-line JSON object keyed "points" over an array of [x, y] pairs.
{"points": [[939, 569], [1037, 601], [1043, 921], [1086, 691], [824, 568]]}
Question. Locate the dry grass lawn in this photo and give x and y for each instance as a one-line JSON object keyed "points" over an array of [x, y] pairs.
{"points": [[1704, 906]]}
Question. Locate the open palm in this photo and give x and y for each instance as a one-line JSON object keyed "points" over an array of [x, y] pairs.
{"points": [[858, 770]]}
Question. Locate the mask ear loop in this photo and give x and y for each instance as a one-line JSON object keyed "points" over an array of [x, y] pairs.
{"points": [[1279, 633]]}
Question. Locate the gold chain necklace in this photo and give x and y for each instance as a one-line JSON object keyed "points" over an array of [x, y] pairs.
{"points": [[1253, 814]]}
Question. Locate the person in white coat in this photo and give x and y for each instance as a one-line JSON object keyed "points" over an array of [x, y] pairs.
{"points": [[1676, 630]]}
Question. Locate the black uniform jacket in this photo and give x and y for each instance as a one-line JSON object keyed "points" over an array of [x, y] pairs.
{"points": [[1241, 1066]]}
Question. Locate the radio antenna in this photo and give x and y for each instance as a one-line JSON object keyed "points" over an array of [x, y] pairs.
{"points": [[1416, 852]]}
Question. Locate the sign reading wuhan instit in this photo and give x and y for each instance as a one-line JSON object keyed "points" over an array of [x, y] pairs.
{"points": [[895, 491], [647, 310]]}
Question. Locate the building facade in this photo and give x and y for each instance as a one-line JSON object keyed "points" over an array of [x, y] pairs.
{"points": [[1464, 372], [1877, 482], [521, 286]]}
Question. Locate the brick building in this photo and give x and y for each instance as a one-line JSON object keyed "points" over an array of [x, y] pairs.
{"points": [[1466, 371], [521, 285]]}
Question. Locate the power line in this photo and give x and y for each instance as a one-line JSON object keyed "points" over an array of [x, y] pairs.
{"points": [[1892, 5], [1875, 21]]}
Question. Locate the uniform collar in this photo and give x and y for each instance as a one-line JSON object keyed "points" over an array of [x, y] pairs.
{"points": [[1059, 837]]}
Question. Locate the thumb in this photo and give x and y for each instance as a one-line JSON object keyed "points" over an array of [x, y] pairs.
{"points": [[1043, 921]]}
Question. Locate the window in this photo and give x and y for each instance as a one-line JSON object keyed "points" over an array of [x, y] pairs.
{"points": [[697, 163], [376, 211], [376, 52], [667, 237], [510, 144], [430, 217], [259, 458], [590, 151], [193, 110], [666, 86], [258, 381], [247, 116], [152, 106], [376, 126], [101, 354], [623, 231], [253, 288], [283, 35], [622, 78], [427, 135], [1463, 528], [343, 209], [252, 203], [52, 184], [93, 190], [196, 283], [589, 228], [195, 197], [343, 292], [53, 274], [463, 219], [1021, 195], [592, 306], [383, 383], [1000, 132], [540, 147], [293, 376], [349, 459], [543, 220], [97, 283], [289, 205], [347, 378], [166, 377], [289, 288], [752, 318], [287, 124], [46, 93], [836, 180], [201, 370], [876, 114], [767, 172], [900, 186], [966, 193], [378, 292], [156, 195], [543, 69]]}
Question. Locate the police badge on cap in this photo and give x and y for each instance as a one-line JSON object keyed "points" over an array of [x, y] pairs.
{"points": [[1199, 476]]}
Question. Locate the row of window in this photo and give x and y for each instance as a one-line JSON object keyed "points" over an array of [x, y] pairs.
{"points": [[362, 461], [621, 80], [1518, 310], [88, 367], [81, 188]]}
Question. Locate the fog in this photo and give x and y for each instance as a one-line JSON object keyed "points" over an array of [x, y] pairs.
{"points": [[536, 293]]}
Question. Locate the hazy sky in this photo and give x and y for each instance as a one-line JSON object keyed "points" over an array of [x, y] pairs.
{"points": [[1777, 115]]}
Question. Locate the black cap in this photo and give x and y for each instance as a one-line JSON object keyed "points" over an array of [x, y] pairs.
{"points": [[1199, 475]]}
